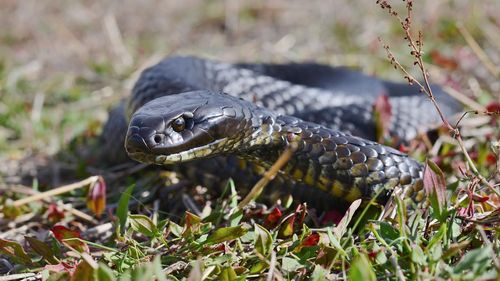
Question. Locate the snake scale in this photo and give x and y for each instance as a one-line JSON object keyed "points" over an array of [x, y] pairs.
{"points": [[188, 108]]}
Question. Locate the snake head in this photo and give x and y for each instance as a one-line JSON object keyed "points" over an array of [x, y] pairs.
{"points": [[182, 127]]}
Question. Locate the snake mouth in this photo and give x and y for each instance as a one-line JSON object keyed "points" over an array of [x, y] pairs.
{"points": [[211, 149]]}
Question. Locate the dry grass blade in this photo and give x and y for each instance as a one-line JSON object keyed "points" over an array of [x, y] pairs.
{"points": [[55, 191], [269, 175], [480, 53]]}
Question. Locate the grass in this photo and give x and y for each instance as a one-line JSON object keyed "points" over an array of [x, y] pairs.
{"points": [[63, 65]]}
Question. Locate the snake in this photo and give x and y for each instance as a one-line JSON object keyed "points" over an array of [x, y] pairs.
{"points": [[188, 109]]}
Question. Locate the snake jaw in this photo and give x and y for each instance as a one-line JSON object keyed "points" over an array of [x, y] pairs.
{"points": [[191, 154]]}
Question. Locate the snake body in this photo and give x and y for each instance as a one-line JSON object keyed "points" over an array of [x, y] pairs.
{"points": [[187, 108]]}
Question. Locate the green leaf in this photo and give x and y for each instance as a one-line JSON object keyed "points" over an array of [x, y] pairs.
{"points": [[438, 236], [15, 251], [142, 272], [175, 229], [104, 273], [319, 273], [227, 274], [42, 249], [258, 267], [341, 228], [388, 232], [334, 242], [83, 272], [263, 240], [158, 270], [290, 265], [361, 270], [226, 234], [144, 225], [476, 261], [122, 209], [326, 256], [417, 255]]}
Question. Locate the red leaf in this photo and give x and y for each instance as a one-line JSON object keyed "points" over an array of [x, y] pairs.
{"points": [[62, 266], [404, 148], [434, 183], [491, 159], [62, 233], [332, 217], [443, 61], [96, 197], [479, 198], [311, 240], [301, 212], [382, 113], [273, 218], [191, 225], [493, 107], [54, 214], [467, 212]]}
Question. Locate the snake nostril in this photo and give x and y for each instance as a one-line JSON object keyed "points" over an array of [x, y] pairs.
{"points": [[157, 139]]}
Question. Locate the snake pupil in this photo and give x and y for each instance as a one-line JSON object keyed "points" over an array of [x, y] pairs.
{"points": [[178, 124], [157, 138]]}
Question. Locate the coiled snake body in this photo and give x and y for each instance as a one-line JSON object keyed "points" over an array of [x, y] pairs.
{"points": [[186, 108]]}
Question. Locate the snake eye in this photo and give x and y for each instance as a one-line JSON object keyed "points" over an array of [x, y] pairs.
{"points": [[178, 124]]}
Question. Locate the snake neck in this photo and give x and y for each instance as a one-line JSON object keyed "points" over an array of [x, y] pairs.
{"points": [[271, 135]]}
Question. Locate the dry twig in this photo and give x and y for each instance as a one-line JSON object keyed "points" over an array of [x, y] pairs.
{"points": [[416, 47]]}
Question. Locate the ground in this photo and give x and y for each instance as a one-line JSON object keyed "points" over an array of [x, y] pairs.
{"points": [[64, 64]]}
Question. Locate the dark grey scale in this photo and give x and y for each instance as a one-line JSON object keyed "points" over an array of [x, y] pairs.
{"points": [[294, 129], [392, 172], [328, 157], [306, 133], [329, 144], [374, 164], [358, 157], [397, 158], [387, 160], [414, 172], [316, 138], [307, 147], [343, 151], [356, 141], [317, 150], [324, 134], [368, 151], [405, 178], [376, 177], [359, 169], [340, 140], [351, 147], [395, 152], [343, 163], [403, 167], [379, 149]]}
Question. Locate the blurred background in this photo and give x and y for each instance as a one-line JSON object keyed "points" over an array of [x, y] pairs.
{"points": [[63, 64]]}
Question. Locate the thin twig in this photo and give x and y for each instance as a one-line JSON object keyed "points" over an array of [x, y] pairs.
{"points": [[55, 191], [269, 175], [416, 51]]}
